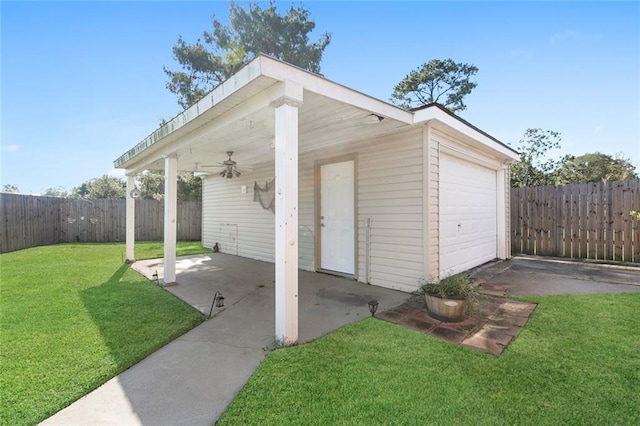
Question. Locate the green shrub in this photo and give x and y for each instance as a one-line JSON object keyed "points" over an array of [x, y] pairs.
{"points": [[458, 286]]}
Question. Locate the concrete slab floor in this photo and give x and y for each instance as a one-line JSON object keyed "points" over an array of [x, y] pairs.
{"points": [[193, 379]]}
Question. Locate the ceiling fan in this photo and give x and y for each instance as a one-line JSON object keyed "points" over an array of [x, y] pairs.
{"points": [[229, 169]]}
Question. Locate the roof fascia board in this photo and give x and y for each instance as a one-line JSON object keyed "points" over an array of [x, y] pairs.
{"points": [[434, 113], [280, 71], [239, 80]]}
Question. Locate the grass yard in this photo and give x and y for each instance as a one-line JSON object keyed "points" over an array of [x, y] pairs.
{"points": [[72, 316], [577, 361]]}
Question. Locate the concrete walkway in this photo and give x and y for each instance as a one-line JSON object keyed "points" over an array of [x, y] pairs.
{"points": [[193, 379], [543, 275]]}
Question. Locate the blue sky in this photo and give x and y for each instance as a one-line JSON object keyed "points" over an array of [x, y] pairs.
{"points": [[82, 82]]}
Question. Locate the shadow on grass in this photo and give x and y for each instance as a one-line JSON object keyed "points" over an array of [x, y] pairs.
{"points": [[135, 317]]}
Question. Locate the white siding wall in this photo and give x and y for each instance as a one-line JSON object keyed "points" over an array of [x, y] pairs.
{"points": [[389, 192], [224, 205], [390, 178]]}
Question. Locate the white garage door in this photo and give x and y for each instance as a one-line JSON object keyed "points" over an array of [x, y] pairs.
{"points": [[468, 215]]}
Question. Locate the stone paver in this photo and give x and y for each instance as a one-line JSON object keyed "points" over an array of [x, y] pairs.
{"points": [[491, 330]]}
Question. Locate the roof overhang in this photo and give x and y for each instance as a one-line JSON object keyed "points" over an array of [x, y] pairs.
{"points": [[238, 116], [439, 114]]}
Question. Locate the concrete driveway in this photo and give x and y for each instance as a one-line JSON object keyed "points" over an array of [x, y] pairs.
{"points": [[193, 379], [537, 275]]}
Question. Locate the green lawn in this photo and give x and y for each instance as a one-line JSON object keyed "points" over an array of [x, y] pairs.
{"points": [[576, 362], [72, 316]]}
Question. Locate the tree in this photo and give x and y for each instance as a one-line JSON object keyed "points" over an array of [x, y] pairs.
{"points": [[595, 167], [58, 192], [534, 168], [222, 52], [10, 189], [189, 187], [81, 191], [103, 187], [151, 184], [438, 81]]}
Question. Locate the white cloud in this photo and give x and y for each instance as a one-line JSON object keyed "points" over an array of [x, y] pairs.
{"points": [[11, 148]]}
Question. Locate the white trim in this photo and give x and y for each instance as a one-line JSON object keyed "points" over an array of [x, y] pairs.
{"points": [[281, 71], [426, 198], [292, 95], [501, 237], [199, 128], [434, 113], [232, 85]]}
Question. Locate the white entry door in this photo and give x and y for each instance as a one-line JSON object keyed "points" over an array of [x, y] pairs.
{"points": [[337, 217]]}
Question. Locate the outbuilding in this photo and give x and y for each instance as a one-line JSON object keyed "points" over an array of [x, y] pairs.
{"points": [[307, 173]]}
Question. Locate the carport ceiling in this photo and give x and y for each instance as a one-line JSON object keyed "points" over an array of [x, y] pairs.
{"points": [[322, 122]]}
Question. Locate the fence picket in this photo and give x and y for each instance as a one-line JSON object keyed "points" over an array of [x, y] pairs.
{"points": [[558, 229], [30, 221], [582, 221], [618, 225], [635, 222], [627, 232]]}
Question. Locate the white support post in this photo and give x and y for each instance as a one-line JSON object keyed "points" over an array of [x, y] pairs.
{"points": [[130, 219], [286, 215], [170, 218], [501, 188]]}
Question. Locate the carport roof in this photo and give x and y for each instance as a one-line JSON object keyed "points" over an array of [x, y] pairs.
{"points": [[237, 116]]}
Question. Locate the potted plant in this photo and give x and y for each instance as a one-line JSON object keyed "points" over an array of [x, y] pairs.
{"points": [[451, 298]]}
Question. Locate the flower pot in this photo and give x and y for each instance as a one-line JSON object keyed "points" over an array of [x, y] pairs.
{"points": [[446, 309]]}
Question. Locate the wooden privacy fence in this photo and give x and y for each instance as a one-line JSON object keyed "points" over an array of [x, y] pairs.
{"points": [[586, 221], [29, 221]]}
